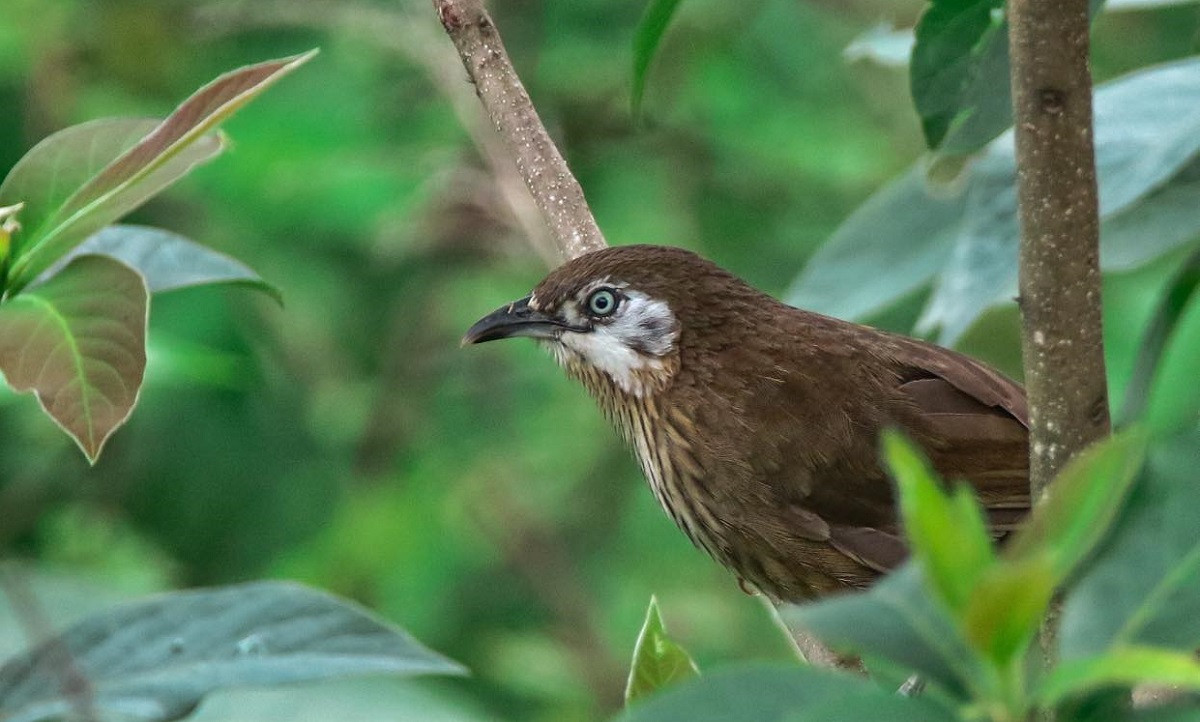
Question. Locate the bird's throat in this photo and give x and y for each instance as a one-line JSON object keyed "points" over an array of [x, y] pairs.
{"points": [[612, 372], [663, 452]]}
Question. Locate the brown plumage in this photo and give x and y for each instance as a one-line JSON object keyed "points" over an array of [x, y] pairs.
{"points": [[757, 424]]}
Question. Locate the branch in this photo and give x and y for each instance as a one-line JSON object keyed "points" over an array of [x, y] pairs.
{"points": [[554, 189], [1062, 338], [1062, 341]]}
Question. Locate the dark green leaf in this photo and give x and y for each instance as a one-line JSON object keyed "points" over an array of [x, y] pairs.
{"points": [[167, 260], [897, 620], [1120, 667], [955, 39], [1081, 504], [1158, 332], [160, 657], [160, 158], [79, 342], [1143, 588], [890, 46], [1174, 402], [947, 535], [647, 38], [781, 694], [658, 661], [960, 73], [1006, 607]]}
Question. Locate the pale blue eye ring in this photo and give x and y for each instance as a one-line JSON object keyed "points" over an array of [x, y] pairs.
{"points": [[602, 302]]}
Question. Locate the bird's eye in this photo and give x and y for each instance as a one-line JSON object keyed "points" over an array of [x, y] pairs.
{"points": [[602, 302]]}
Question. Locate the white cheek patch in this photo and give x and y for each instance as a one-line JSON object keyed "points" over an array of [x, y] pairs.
{"points": [[646, 324], [630, 347]]}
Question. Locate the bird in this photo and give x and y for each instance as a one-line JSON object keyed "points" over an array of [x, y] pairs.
{"points": [[757, 424]]}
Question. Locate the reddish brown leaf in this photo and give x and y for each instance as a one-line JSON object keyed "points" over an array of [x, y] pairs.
{"points": [[79, 342]]}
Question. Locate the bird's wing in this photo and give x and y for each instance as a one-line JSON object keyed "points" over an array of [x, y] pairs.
{"points": [[973, 422], [812, 418], [973, 379], [969, 418]]}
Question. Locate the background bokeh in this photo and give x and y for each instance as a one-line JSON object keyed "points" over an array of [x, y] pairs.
{"points": [[475, 497]]}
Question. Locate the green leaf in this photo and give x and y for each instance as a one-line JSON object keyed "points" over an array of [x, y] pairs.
{"points": [[160, 158], [1081, 504], [897, 620], [1159, 331], [1143, 587], [959, 73], [167, 260], [1121, 667], [161, 656], [79, 342], [955, 41], [1160, 222], [890, 46], [646, 39], [45, 177], [782, 694], [367, 699], [1006, 607], [1141, 145], [947, 534], [963, 236], [658, 661], [1174, 401], [906, 228]]}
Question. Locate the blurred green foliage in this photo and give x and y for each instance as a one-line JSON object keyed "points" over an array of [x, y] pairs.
{"points": [[476, 497]]}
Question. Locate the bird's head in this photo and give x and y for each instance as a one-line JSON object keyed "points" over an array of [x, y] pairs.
{"points": [[618, 315]]}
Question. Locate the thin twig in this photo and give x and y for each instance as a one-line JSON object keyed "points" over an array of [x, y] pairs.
{"points": [[808, 648], [551, 183]]}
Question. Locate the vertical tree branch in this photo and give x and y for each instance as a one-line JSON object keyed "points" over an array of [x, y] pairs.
{"points": [[1062, 343], [1061, 331], [554, 189]]}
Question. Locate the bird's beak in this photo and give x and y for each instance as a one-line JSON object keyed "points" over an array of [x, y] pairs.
{"points": [[515, 319]]}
